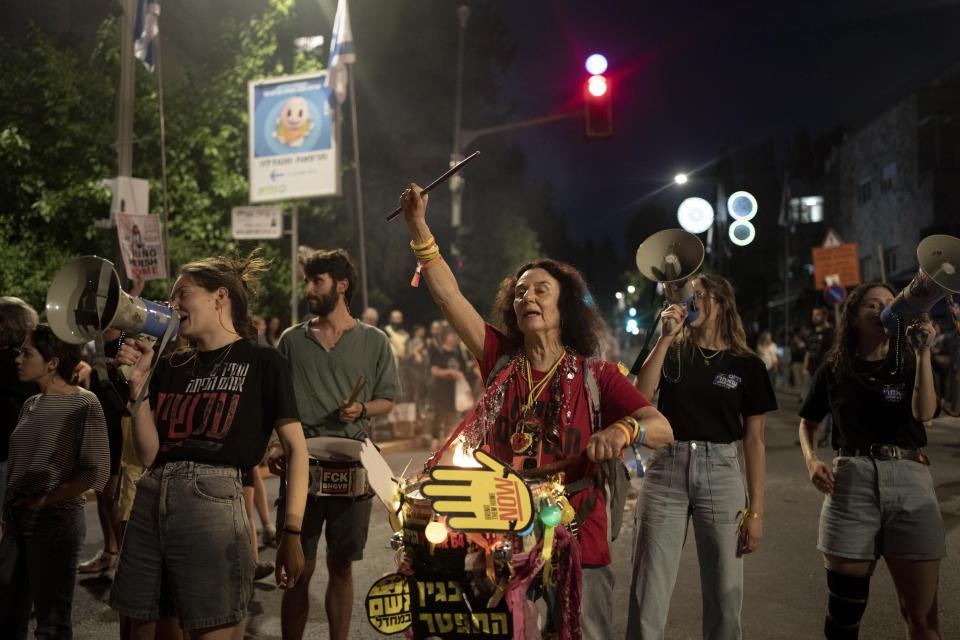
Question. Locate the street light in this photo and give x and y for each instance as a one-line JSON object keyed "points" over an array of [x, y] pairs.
{"points": [[681, 178]]}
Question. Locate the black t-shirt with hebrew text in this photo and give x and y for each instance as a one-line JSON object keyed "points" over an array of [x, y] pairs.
{"points": [[869, 407], [709, 401], [219, 407]]}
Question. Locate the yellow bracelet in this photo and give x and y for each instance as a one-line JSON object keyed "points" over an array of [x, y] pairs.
{"points": [[431, 262], [752, 514], [427, 254], [625, 429], [632, 422], [426, 243]]}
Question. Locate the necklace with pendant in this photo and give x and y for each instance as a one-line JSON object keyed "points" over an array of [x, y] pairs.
{"points": [[707, 359], [525, 439]]}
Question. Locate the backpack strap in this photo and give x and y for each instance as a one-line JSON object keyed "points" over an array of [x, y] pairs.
{"points": [[501, 362]]}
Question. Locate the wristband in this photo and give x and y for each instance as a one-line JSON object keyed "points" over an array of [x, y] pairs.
{"points": [[641, 435], [363, 411], [292, 532], [752, 514]]}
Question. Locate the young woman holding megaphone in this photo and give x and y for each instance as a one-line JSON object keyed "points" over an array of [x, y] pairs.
{"points": [[879, 495], [209, 414], [714, 391]]}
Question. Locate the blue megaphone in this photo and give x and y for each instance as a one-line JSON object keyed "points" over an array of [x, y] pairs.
{"points": [[85, 299]]}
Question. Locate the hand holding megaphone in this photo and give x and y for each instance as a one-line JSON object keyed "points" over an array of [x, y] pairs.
{"points": [[137, 354], [672, 319], [921, 332]]}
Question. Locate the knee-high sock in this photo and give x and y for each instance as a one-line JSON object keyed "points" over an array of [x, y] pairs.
{"points": [[847, 602]]}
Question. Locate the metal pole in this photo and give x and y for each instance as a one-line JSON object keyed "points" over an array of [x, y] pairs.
{"points": [[356, 176], [456, 182], [786, 284], [165, 212], [125, 93], [124, 119], [294, 279]]}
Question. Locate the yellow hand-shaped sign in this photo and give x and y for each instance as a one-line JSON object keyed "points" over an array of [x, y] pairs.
{"points": [[490, 498]]}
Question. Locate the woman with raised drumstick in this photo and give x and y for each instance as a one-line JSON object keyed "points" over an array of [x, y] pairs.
{"points": [[536, 409]]}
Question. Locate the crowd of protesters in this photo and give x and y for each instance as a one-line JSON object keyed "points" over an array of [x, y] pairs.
{"points": [[66, 429]]}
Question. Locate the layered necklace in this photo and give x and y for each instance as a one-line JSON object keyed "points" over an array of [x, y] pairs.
{"points": [[218, 360], [524, 440], [708, 359]]}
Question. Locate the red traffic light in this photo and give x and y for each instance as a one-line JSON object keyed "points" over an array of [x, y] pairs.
{"points": [[598, 109]]}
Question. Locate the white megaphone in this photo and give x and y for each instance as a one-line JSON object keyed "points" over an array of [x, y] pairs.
{"points": [[85, 299], [671, 257], [938, 275]]}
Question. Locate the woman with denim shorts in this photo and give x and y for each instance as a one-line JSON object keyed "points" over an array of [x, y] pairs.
{"points": [[211, 408], [880, 499], [714, 391]]}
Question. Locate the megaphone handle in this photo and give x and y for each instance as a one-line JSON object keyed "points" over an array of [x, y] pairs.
{"points": [[638, 363], [145, 387]]}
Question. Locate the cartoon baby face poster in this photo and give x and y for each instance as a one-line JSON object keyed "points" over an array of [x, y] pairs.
{"points": [[292, 139]]}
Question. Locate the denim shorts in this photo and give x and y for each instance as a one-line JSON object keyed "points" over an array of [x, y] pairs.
{"points": [[881, 507], [187, 548]]}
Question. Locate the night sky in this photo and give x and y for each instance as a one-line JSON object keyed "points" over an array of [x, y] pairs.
{"points": [[690, 80], [693, 78]]}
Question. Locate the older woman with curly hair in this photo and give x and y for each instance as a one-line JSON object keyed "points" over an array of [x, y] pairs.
{"points": [[537, 409]]}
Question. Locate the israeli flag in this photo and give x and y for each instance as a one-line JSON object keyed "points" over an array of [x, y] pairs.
{"points": [[341, 54], [145, 31]]}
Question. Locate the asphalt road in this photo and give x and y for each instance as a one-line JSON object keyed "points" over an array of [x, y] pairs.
{"points": [[785, 582]]}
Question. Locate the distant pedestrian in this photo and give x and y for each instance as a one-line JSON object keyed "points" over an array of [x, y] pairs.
{"points": [[768, 351]]}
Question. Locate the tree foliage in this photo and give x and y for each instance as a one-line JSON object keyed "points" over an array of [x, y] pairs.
{"points": [[57, 132]]}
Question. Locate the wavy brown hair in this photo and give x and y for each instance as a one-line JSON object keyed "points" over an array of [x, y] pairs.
{"points": [[581, 327], [238, 276], [729, 324], [845, 338]]}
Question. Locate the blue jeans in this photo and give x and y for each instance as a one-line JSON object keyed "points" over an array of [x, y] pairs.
{"points": [[38, 569], [688, 480]]}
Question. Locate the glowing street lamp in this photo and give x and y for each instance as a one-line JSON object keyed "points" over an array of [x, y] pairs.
{"points": [[681, 178]]}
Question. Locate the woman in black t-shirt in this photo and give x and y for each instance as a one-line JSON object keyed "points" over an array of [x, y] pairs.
{"points": [[714, 391], [210, 411], [879, 493]]}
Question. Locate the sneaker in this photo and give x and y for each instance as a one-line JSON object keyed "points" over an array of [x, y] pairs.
{"points": [[99, 563], [263, 570], [268, 536]]}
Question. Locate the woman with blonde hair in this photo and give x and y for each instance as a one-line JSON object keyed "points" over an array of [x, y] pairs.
{"points": [[714, 391], [209, 414]]}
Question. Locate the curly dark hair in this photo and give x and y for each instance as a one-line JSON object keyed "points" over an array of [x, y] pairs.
{"points": [[581, 327], [334, 262], [845, 338]]}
